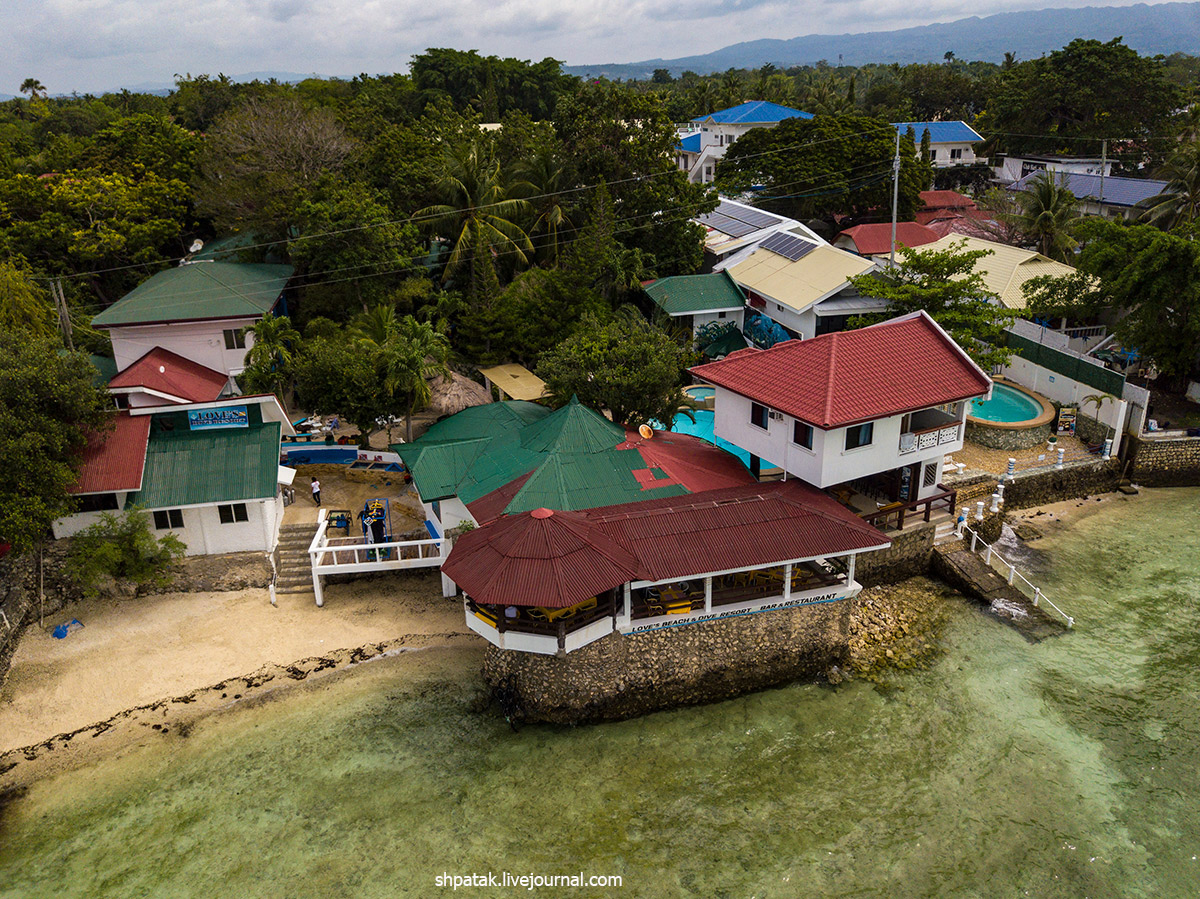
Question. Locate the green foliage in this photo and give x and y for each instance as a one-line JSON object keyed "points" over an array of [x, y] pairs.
{"points": [[1088, 90], [1179, 203], [539, 310], [336, 374], [47, 402], [1152, 278], [271, 357], [24, 306], [1048, 214], [143, 143], [944, 284], [826, 166], [625, 366], [122, 547], [492, 85]]}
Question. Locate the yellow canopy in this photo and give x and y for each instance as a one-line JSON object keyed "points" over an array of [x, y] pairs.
{"points": [[514, 381]]}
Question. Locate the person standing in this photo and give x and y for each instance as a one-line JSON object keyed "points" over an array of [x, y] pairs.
{"points": [[316, 490]]}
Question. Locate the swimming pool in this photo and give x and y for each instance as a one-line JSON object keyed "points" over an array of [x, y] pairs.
{"points": [[1007, 404], [702, 427], [699, 392]]}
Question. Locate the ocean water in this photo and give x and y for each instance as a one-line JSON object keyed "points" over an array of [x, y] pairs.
{"points": [[1067, 768]]}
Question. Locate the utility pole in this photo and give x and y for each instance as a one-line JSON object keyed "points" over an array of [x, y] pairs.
{"points": [[1103, 166], [895, 199], [64, 315]]}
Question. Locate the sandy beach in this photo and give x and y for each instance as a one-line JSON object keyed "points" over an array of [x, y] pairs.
{"points": [[157, 662]]}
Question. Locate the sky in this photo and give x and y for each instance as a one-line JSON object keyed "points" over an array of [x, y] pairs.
{"points": [[98, 45]]}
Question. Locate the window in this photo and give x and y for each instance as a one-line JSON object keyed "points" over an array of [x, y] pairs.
{"points": [[860, 435], [758, 415], [230, 514], [708, 173], [722, 314], [802, 434], [165, 519], [98, 502], [932, 155], [235, 339], [930, 476], [956, 154]]}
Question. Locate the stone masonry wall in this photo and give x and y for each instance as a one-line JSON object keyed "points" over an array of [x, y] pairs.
{"points": [[623, 676], [907, 557], [1169, 462], [1039, 486]]}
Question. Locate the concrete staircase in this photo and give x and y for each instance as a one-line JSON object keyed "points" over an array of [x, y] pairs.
{"points": [[291, 559], [944, 531]]}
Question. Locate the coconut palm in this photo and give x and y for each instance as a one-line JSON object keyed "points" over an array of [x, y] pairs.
{"points": [[269, 359], [34, 88], [1179, 202], [1099, 399], [543, 179], [477, 211], [1047, 216]]}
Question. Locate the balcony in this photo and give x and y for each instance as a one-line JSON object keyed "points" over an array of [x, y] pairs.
{"points": [[929, 428]]}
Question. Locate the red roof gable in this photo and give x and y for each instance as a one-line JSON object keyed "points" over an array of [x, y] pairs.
{"points": [[169, 373], [556, 559], [874, 239], [113, 460], [848, 377], [946, 199]]}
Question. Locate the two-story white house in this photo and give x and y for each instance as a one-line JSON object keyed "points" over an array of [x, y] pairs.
{"points": [[198, 311], [950, 143], [704, 140], [877, 408]]}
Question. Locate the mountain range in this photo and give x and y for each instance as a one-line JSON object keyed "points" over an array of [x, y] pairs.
{"points": [[1150, 29]]}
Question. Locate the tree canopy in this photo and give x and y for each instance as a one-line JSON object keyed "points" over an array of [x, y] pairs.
{"points": [[945, 284]]}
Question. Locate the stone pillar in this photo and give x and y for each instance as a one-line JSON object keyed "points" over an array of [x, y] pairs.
{"points": [[979, 511], [1058, 463]]}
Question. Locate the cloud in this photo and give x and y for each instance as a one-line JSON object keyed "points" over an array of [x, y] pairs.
{"points": [[91, 45]]}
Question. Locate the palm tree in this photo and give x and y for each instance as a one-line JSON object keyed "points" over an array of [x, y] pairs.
{"points": [[542, 179], [1048, 214], [1179, 203], [1099, 399], [34, 88], [269, 359], [477, 211]]}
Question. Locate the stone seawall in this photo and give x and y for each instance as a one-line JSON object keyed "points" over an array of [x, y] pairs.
{"points": [[1165, 462], [907, 557], [1040, 486], [623, 676]]}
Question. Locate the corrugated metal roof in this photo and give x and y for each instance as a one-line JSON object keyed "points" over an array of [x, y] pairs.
{"points": [[1006, 268], [800, 283], [572, 429], [113, 459], [541, 558], [754, 112], [941, 132], [201, 290], [1118, 191], [687, 294], [848, 377], [185, 468], [691, 143], [876, 238], [170, 373], [516, 381], [586, 480], [555, 560], [945, 199], [490, 418]]}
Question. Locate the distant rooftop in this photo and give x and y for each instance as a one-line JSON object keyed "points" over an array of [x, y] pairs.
{"points": [[688, 294], [1117, 191], [941, 132], [754, 112]]}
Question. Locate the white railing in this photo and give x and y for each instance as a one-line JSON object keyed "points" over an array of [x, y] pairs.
{"points": [[912, 441], [991, 556]]}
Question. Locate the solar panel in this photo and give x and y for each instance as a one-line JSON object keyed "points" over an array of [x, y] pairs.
{"points": [[726, 225], [788, 245], [755, 217]]}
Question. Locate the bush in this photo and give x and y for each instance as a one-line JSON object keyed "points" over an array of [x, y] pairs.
{"points": [[123, 547]]}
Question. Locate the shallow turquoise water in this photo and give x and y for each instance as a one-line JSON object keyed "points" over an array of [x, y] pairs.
{"points": [[1066, 768], [1006, 404]]}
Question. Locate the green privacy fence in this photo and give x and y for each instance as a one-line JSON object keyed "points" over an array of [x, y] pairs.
{"points": [[1068, 364]]}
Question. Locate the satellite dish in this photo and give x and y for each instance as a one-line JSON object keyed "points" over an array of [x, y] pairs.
{"points": [[196, 247], [646, 431]]}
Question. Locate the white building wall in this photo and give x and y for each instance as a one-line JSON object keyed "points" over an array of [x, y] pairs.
{"points": [[942, 158], [202, 342], [453, 513], [700, 319], [70, 525], [204, 533], [829, 462]]}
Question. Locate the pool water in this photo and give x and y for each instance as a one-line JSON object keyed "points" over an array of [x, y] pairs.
{"points": [[702, 427], [1007, 405], [700, 393]]}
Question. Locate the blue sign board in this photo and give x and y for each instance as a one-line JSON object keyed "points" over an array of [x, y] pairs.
{"points": [[209, 419]]}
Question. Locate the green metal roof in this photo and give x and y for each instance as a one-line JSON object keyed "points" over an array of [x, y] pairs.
{"points": [[198, 291], [572, 429], [186, 468], [573, 481], [727, 343], [487, 419], [687, 294]]}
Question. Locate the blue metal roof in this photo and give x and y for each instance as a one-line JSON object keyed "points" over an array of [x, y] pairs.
{"points": [[941, 132], [753, 113], [691, 143], [1117, 191]]}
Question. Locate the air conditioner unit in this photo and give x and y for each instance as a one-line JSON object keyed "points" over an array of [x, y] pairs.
{"points": [[775, 416]]}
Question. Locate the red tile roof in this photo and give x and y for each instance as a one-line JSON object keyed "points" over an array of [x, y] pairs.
{"points": [[848, 377], [556, 559], [874, 239], [113, 459], [946, 199], [539, 558], [688, 460], [169, 373]]}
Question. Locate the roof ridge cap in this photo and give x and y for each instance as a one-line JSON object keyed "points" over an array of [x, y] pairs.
{"points": [[833, 346]]}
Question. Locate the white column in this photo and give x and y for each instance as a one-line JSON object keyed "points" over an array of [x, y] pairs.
{"points": [[708, 594], [787, 581], [850, 570], [628, 603]]}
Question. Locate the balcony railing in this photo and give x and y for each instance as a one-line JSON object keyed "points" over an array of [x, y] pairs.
{"points": [[913, 441], [883, 518]]}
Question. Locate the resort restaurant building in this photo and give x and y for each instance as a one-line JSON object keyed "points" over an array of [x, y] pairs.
{"points": [[550, 582]]}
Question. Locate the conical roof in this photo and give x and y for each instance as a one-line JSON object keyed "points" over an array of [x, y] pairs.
{"points": [[572, 429], [539, 558]]}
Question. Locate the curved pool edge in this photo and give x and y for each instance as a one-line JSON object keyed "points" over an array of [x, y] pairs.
{"points": [[1013, 435]]}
